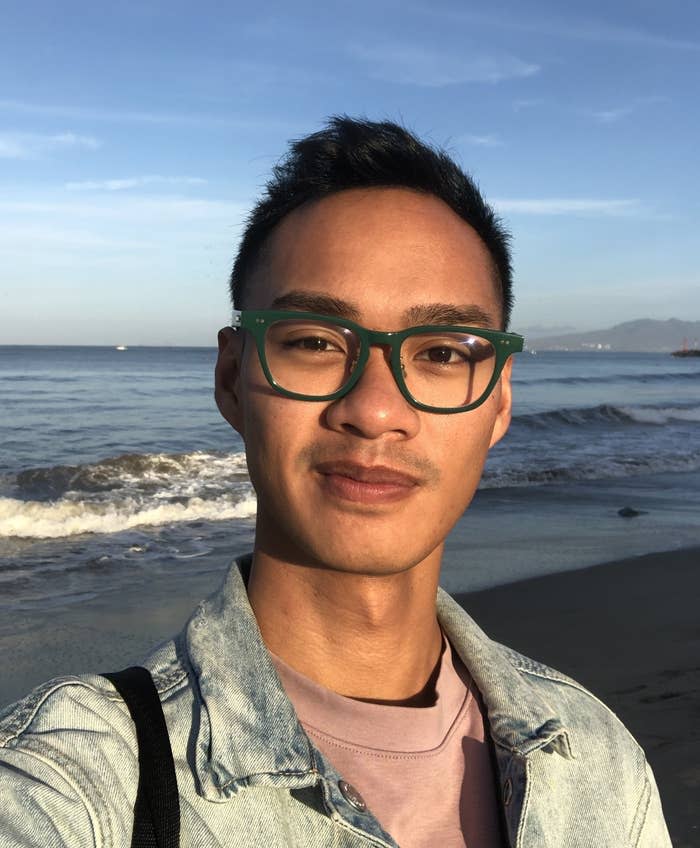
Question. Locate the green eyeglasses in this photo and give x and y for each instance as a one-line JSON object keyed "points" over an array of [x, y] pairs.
{"points": [[320, 358]]}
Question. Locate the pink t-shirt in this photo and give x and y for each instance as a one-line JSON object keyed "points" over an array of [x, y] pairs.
{"points": [[424, 772]]}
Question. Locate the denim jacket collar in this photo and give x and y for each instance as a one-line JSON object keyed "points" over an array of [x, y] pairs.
{"points": [[239, 688], [522, 720], [248, 731]]}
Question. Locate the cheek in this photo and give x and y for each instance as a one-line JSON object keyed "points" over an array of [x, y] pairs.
{"points": [[263, 437], [464, 439], [260, 405], [462, 454], [277, 428]]}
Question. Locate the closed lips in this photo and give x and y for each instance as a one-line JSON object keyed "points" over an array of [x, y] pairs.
{"points": [[375, 474]]}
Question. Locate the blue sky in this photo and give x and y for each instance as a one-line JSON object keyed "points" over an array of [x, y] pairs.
{"points": [[135, 136]]}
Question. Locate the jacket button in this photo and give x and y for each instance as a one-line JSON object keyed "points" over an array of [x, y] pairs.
{"points": [[507, 791], [352, 796]]}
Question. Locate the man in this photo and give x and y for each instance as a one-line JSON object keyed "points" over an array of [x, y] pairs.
{"points": [[323, 697]]}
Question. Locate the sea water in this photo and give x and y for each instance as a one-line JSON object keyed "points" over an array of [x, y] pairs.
{"points": [[115, 465]]}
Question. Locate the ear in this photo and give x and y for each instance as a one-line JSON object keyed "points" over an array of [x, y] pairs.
{"points": [[505, 404], [227, 377]]}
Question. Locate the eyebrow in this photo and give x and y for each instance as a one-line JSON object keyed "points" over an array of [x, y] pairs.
{"points": [[429, 313], [322, 304], [448, 313]]}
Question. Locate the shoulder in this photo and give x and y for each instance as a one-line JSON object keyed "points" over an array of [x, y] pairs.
{"points": [[68, 752], [85, 703], [48, 705], [578, 707], [603, 770], [528, 701], [548, 679], [592, 731]]}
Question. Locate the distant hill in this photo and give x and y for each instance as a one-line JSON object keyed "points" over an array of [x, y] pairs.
{"points": [[632, 336]]}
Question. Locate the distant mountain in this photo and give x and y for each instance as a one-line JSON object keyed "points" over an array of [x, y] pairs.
{"points": [[539, 331], [632, 336]]}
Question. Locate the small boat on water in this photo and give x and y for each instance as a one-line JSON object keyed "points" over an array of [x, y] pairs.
{"points": [[121, 347], [687, 351]]}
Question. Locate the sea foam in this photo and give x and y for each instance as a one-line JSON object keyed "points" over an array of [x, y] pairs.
{"points": [[125, 491], [37, 520]]}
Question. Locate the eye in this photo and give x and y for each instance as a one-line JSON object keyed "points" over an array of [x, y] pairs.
{"points": [[312, 343], [444, 355]]}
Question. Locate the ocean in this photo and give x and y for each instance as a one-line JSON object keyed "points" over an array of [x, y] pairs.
{"points": [[116, 466]]}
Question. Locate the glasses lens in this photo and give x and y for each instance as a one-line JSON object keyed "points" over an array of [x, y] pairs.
{"points": [[310, 357], [447, 370]]}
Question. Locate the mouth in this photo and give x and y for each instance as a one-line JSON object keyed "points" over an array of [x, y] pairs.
{"points": [[369, 484]]}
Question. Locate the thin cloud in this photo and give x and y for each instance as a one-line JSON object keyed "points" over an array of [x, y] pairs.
{"points": [[574, 30], [30, 236], [612, 116], [81, 113], [132, 182], [111, 222], [568, 206], [91, 114], [526, 103], [127, 208], [617, 35], [488, 140], [416, 65], [34, 145]]}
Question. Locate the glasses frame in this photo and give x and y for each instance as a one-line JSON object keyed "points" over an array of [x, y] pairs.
{"points": [[256, 322]]}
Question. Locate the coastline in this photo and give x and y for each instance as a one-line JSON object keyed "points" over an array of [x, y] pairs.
{"points": [[627, 630], [516, 533]]}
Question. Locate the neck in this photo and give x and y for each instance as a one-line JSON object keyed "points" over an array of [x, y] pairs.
{"points": [[368, 637]]}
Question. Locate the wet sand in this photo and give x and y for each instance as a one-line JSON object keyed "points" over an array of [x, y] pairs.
{"points": [[629, 631]]}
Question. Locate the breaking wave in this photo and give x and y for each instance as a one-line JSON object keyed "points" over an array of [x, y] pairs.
{"points": [[186, 474], [123, 492], [609, 414], [604, 468], [36, 520]]}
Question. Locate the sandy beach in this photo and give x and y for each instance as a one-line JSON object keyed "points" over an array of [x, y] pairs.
{"points": [[627, 630]]}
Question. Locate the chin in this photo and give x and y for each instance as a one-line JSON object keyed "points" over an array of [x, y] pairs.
{"points": [[373, 545], [361, 555]]}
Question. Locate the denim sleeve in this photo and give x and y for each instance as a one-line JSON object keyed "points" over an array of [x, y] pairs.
{"points": [[653, 832], [39, 808], [68, 767]]}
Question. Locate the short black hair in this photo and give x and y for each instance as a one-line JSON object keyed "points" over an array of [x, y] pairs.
{"points": [[356, 153]]}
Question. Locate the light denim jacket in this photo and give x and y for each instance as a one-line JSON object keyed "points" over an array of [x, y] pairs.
{"points": [[570, 774]]}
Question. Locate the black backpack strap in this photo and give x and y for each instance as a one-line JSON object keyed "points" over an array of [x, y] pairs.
{"points": [[157, 806]]}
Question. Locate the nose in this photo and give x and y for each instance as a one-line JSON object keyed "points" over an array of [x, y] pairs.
{"points": [[374, 407]]}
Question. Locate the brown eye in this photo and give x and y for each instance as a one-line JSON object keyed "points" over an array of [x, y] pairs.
{"points": [[445, 355], [313, 344], [440, 354]]}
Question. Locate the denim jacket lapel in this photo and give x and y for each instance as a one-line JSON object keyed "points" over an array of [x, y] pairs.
{"points": [[248, 732], [521, 720]]}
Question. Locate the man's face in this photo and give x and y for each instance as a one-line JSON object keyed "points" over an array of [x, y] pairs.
{"points": [[367, 483]]}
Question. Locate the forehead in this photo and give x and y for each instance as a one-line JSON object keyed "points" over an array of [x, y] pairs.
{"points": [[384, 250]]}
